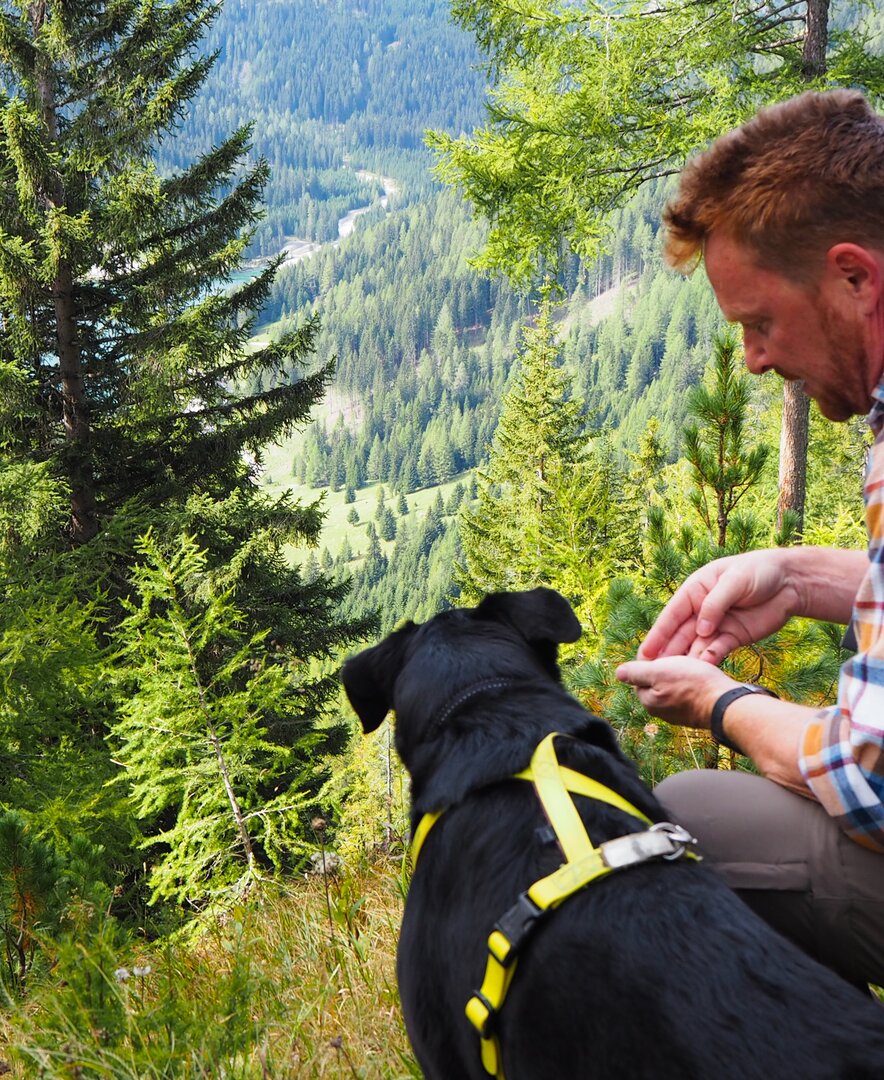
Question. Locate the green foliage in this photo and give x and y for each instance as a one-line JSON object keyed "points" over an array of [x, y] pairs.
{"points": [[131, 402], [722, 466], [219, 1003], [31, 897], [55, 698], [549, 509], [368, 791], [589, 103], [110, 1012], [199, 697]]}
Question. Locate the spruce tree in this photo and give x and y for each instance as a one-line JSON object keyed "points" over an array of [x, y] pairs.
{"points": [[551, 505], [112, 277], [540, 437]]}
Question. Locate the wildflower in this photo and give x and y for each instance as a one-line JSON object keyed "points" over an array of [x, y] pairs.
{"points": [[121, 974], [651, 730], [141, 971]]}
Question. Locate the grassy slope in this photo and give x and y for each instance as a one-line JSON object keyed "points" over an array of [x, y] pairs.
{"points": [[278, 477], [292, 985]]}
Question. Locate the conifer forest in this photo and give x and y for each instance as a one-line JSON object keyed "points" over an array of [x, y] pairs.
{"points": [[318, 316]]}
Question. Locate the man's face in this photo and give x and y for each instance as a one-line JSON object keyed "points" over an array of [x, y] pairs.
{"points": [[797, 330]]}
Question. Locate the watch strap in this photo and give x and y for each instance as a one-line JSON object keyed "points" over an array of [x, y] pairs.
{"points": [[716, 721]]}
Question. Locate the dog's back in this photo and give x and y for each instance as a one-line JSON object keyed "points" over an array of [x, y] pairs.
{"points": [[658, 972]]}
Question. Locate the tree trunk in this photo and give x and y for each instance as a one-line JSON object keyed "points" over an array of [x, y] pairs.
{"points": [[84, 509], [75, 408], [235, 809], [816, 37], [796, 404], [793, 454]]}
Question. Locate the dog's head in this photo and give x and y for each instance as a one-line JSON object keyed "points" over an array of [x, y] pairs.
{"points": [[419, 667]]}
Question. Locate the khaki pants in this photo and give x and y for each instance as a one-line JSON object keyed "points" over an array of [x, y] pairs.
{"points": [[789, 861]]}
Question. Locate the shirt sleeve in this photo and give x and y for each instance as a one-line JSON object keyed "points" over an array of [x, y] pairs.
{"points": [[842, 748], [843, 763]]}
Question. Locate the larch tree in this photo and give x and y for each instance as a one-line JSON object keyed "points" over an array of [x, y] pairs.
{"points": [[591, 101]]}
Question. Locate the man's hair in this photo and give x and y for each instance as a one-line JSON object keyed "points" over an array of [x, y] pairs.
{"points": [[789, 184]]}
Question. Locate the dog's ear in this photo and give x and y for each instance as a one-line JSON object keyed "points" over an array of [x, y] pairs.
{"points": [[369, 677], [539, 615]]}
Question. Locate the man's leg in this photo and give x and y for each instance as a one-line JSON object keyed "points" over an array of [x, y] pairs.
{"points": [[790, 863]]}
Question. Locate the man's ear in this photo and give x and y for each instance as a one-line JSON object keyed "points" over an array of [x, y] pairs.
{"points": [[861, 270], [540, 615], [369, 677]]}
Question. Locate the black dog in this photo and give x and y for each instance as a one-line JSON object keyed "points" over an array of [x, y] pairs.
{"points": [[656, 971]]}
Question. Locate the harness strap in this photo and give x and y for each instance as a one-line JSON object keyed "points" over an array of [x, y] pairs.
{"points": [[584, 864], [420, 834]]}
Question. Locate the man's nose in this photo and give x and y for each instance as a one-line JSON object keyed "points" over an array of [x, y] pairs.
{"points": [[754, 352]]}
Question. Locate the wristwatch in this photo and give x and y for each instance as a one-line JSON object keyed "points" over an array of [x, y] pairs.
{"points": [[716, 721]]}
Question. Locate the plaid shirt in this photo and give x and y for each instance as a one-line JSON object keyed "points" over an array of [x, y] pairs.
{"points": [[842, 749]]}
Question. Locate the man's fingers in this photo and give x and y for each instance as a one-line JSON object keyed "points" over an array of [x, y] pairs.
{"points": [[724, 595], [657, 645], [635, 672], [671, 634]]}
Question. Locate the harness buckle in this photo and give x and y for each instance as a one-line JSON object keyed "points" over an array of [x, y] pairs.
{"points": [[512, 928], [679, 836]]}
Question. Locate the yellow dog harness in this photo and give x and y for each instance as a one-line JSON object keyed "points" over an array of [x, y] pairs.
{"points": [[584, 863]]}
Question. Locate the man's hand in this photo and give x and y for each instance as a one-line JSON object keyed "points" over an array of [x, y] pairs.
{"points": [[727, 603], [678, 689], [683, 690]]}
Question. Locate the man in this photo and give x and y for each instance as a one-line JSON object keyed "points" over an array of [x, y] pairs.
{"points": [[787, 214]]}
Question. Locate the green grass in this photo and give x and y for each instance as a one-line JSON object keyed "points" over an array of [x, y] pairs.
{"points": [[298, 982], [278, 478]]}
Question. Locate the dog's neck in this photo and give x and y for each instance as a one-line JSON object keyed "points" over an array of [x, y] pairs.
{"points": [[462, 697], [482, 741]]}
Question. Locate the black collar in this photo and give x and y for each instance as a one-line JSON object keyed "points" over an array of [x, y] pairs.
{"points": [[475, 690]]}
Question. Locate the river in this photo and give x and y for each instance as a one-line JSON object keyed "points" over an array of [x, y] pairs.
{"points": [[296, 249]]}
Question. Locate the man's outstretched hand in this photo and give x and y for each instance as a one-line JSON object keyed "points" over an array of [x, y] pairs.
{"points": [[730, 602], [679, 689]]}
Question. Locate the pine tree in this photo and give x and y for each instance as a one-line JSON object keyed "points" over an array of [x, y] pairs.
{"points": [[801, 662], [31, 898], [723, 467]]}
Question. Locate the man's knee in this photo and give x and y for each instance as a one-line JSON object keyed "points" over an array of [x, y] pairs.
{"points": [[789, 862]]}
